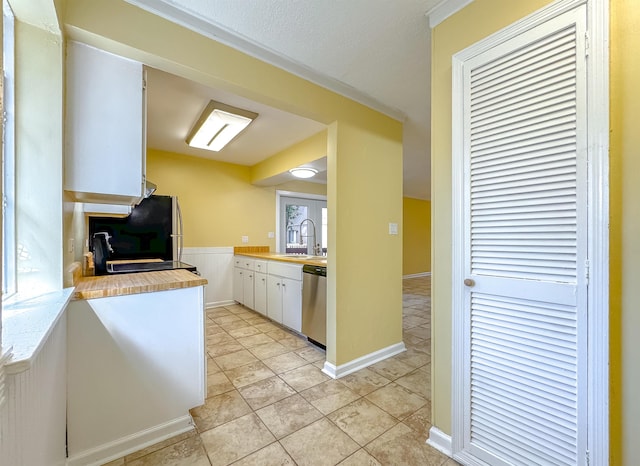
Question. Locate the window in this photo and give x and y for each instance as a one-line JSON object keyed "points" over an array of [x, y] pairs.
{"points": [[302, 224], [8, 155]]}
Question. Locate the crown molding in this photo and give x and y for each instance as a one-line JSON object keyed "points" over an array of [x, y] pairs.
{"points": [[443, 10], [237, 41]]}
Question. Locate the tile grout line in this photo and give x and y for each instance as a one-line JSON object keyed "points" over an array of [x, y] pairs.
{"points": [[250, 319]]}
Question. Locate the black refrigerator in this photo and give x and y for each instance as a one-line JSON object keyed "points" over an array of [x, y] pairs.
{"points": [[152, 231]]}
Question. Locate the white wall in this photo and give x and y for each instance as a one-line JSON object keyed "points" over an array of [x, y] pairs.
{"points": [[39, 161]]}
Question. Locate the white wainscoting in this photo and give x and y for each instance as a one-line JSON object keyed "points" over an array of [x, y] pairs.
{"points": [[33, 417], [216, 265]]}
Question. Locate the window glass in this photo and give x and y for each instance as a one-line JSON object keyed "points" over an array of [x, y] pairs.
{"points": [[296, 232], [302, 225]]}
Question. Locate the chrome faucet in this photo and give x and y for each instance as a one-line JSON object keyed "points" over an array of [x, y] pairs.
{"points": [[316, 246], [107, 237]]}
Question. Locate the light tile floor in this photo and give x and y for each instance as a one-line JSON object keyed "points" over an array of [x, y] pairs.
{"points": [[269, 403]]}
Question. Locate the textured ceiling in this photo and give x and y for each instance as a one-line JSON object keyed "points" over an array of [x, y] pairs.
{"points": [[374, 51]]}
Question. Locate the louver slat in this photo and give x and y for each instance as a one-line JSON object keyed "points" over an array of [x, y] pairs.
{"points": [[541, 50], [527, 171], [513, 343], [522, 135]]}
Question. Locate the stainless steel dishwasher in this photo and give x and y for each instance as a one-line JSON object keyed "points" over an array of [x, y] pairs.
{"points": [[314, 304]]}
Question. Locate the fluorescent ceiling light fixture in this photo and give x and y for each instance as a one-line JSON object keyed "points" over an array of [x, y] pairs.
{"points": [[303, 172], [218, 125]]}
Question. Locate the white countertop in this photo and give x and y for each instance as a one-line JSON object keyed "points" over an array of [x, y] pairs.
{"points": [[27, 323]]}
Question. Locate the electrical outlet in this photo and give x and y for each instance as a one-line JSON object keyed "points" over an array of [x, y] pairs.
{"points": [[393, 228], [271, 234], [245, 239]]}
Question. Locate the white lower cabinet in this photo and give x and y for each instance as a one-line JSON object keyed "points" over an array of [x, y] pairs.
{"points": [[284, 294], [274, 298], [247, 288], [260, 293], [238, 285], [292, 304], [272, 288], [243, 281]]}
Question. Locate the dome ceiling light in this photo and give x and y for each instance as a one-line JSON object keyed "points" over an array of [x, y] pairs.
{"points": [[303, 172]]}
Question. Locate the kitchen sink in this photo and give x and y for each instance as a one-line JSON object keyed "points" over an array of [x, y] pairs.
{"points": [[301, 256]]}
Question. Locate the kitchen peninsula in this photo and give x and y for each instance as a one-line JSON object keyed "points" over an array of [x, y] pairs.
{"points": [[302, 259], [273, 284], [136, 361]]}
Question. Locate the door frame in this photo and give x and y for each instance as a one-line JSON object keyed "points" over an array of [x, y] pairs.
{"points": [[597, 67], [281, 193]]}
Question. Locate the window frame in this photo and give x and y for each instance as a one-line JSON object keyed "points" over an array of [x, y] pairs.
{"points": [[9, 270], [280, 227]]}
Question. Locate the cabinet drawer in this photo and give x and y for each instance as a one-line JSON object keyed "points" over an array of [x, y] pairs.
{"points": [[244, 262], [248, 264], [292, 271], [260, 266]]}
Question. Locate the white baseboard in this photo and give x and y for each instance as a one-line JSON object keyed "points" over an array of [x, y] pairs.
{"points": [[417, 275], [219, 304], [364, 361], [440, 441], [131, 443]]}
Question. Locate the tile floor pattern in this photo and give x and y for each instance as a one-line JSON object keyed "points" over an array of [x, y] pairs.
{"points": [[269, 403]]}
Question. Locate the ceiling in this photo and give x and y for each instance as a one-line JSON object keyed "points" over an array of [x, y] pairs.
{"points": [[174, 104], [374, 51]]}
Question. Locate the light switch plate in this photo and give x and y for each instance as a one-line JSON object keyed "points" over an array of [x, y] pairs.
{"points": [[271, 234], [245, 239], [393, 228]]}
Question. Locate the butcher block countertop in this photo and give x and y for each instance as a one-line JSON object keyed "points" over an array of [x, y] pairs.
{"points": [[293, 258], [133, 283]]}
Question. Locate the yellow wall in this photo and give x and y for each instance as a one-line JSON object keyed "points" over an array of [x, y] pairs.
{"points": [[360, 205], [475, 22], [219, 205], [306, 151], [365, 320], [624, 232], [416, 236]]}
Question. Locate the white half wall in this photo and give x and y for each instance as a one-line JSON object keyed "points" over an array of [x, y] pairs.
{"points": [[216, 265], [33, 417]]}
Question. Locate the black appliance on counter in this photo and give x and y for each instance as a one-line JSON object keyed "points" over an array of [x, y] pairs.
{"points": [[149, 239]]}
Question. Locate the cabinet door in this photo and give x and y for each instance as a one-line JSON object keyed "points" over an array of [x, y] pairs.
{"points": [[274, 298], [292, 304], [260, 293], [238, 284], [105, 126], [247, 288]]}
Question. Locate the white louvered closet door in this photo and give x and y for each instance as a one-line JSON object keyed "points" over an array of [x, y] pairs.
{"points": [[524, 266]]}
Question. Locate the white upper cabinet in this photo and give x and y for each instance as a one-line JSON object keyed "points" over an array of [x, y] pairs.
{"points": [[105, 127]]}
